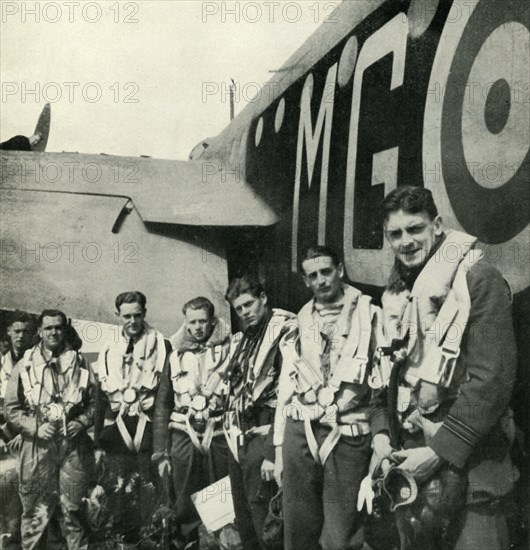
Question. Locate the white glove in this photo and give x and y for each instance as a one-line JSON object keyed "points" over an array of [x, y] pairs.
{"points": [[366, 494]]}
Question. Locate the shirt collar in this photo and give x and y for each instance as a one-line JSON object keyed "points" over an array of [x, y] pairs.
{"points": [[337, 306], [137, 337], [49, 356]]}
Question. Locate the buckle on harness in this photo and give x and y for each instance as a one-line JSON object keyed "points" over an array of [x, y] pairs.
{"points": [[360, 369], [447, 364]]}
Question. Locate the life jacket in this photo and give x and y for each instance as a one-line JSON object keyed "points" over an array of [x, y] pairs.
{"points": [[195, 370], [433, 324], [339, 402], [273, 333], [197, 380], [262, 377], [302, 348], [135, 394], [52, 386], [6, 369]]}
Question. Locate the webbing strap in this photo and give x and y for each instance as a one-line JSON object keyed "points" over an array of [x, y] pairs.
{"points": [[209, 433], [329, 443], [232, 433], [28, 389], [133, 444], [440, 361], [311, 440], [321, 454], [361, 357], [192, 433]]}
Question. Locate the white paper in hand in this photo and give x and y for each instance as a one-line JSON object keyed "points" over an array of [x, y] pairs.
{"points": [[215, 505]]}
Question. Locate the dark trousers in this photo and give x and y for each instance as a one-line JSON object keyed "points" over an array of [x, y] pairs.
{"points": [[193, 471], [129, 482], [320, 502], [250, 493]]}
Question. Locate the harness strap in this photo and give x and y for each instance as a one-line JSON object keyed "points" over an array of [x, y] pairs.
{"points": [[132, 444], [311, 440], [192, 433], [28, 389], [201, 442], [321, 454], [329, 443], [209, 433], [440, 361], [298, 411], [354, 355], [232, 434]]}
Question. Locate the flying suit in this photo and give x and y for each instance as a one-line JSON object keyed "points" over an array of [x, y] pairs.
{"points": [[55, 389]]}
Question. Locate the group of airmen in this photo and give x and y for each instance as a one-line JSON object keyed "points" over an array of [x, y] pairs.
{"points": [[377, 428]]}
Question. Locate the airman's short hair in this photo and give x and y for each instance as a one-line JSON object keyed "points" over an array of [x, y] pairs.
{"points": [[410, 199], [21, 317], [244, 285], [317, 252], [53, 313], [200, 303], [130, 297]]}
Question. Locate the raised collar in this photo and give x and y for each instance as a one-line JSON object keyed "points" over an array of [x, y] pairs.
{"points": [[350, 296], [182, 340], [409, 275]]}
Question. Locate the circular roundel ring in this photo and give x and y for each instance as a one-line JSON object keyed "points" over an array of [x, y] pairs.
{"points": [[484, 126]]}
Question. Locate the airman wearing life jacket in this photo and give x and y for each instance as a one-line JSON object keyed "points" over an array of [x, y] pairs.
{"points": [[50, 402], [452, 378], [129, 371], [189, 440], [323, 420], [252, 378], [19, 335]]}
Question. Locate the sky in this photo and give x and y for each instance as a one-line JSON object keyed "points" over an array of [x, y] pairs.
{"points": [[141, 78]]}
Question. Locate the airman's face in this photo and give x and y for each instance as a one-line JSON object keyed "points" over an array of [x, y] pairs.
{"points": [[412, 236], [199, 324], [20, 337], [132, 319], [324, 278], [250, 309], [52, 332]]}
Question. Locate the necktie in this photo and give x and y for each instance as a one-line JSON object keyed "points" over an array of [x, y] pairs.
{"points": [[127, 359], [130, 347]]}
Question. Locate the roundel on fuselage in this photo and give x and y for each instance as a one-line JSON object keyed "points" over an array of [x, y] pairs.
{"points": [[476, 133], [485, 123]]}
